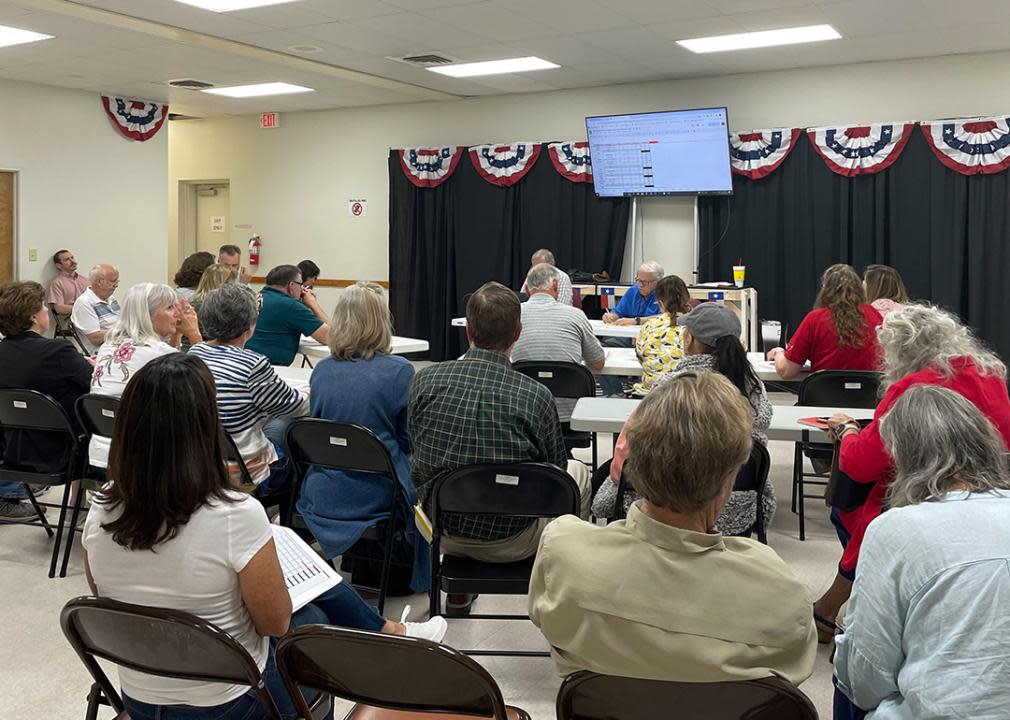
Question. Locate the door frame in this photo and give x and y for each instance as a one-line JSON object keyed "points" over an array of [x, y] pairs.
{"points": [[15, 224], [187, 213]]}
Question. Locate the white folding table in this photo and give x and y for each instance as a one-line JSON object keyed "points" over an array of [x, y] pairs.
{"points": [[311, 348]]}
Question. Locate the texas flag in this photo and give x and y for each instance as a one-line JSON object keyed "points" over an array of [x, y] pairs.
{"points": [[607, 298]]}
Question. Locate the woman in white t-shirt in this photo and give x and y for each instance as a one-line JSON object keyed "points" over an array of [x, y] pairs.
{"points": [[170, 532], [150, 324]]}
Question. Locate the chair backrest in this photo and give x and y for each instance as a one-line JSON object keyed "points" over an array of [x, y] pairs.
{"points": [[754, 473], [97, 413], [388, 671], [588, 696], [231, 454], [840, 388], [519, 489], [31, 410], [563, 379], [342, 446], [157, 641], [773, 334]]}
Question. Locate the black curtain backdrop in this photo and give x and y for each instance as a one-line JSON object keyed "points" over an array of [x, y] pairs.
{"points": [[946, 233], [447, 241]]}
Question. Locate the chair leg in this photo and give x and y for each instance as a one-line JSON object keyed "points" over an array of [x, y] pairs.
{"points": [[387, 560], [595, 453], [94, 701], [434, 594], [306, 361], [801, 503], [72, 531], [38, 512], [59, 529], [797, 467]]}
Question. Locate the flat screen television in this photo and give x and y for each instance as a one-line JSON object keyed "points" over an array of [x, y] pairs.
{"points": [[676, 152]]}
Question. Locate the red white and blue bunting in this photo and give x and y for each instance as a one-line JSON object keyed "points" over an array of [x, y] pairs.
{"points": [[504, 165], [135, 119], [758, 153], [971, 146], [429, 167], [860, 149], [572, 160]]}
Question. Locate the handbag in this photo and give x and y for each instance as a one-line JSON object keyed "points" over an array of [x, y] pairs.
{"points": [[842, 492]]}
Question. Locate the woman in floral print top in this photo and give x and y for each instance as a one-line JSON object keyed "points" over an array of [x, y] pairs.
{"points": [[660, 342], [150, 325]]}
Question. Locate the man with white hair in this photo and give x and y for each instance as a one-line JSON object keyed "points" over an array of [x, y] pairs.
{"points": [[96, 311], [564, 281], [555, 332], [638, 305]]}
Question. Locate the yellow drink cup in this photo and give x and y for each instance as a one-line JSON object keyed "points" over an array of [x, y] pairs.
{"points": [[738, 274]]}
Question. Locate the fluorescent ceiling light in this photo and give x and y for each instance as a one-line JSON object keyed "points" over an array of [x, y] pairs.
{"points": [[16, 36], [248, 91], [764, 38], [494, 67], [229, 5]]}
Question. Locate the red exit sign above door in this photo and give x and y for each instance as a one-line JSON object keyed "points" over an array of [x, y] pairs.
{"points": [[270, 120]]}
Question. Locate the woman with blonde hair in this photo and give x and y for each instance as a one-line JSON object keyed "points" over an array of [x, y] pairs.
{"points": [[214, 277], [838, 334], [921, 345], [884, 289], [363, 384]]}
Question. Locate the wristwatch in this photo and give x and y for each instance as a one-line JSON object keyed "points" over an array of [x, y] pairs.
{"points": [[638, 321]]}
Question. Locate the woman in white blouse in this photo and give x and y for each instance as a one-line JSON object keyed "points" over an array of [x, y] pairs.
{"points": [[927, 630], [170, 531], [151, 322]]}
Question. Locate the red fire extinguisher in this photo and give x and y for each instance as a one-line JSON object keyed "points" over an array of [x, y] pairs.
{"points": [[254, 250]]}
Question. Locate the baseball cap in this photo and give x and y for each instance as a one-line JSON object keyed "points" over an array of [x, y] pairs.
{"points": [[710, 321]]}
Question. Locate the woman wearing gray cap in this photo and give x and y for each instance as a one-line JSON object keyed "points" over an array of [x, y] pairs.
{"points": [[711, 344]]}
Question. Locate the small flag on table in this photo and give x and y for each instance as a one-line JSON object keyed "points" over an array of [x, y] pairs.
{"points": [[607, 298]]}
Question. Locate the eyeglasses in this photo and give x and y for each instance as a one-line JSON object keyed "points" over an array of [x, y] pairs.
{"points": [[640, 281]]}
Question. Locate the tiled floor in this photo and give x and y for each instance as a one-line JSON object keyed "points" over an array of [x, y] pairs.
{"points": [[45, 679]]}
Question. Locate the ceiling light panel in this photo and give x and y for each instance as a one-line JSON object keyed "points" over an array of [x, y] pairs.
{"points": [[17, 36], [231, 5], [260, 90], [494, 67], [764, 38]]}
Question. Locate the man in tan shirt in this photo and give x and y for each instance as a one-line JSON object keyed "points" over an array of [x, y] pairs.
{"points": [[67, 286], [659, 595]]}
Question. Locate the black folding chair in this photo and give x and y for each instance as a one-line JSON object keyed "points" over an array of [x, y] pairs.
{"points": [[586, 695], [569, 381], [34, 412], [353, 448], [753, 475], [527, 490], [156, 641], [64, 328], [834, 389], [391, 677]]}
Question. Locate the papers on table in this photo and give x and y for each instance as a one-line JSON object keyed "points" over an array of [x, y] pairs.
{"points": [[296, 377]]}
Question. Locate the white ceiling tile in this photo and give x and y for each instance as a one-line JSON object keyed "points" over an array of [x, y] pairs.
{"points": [[364, 39], [775, 18], [648, 12], [283, 40], [742, 6], [565, 50], [632, 43], [858, 18], [428, 4], [704, 27], [494, 20], [947, 13], [572, 16], [283, 17], [418, 29], [349, 9]]}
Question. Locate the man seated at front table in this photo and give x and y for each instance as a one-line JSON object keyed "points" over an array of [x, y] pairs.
{"points": [[96, 311], [555, 332], [67, 286], [637, 305], [231, 255], [479, 410], [661, 595], [564, 281], [287, 311]]}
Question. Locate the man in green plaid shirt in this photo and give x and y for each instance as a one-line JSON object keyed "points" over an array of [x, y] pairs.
{"points": [[479, 410]]}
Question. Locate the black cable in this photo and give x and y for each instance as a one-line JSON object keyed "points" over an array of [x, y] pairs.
{"points": [[729, 216]]}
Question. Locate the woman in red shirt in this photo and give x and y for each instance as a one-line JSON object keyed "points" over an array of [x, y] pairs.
{"points": [[921, 345], [838, 334]]}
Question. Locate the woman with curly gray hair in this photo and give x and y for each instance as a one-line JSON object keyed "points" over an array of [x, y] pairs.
{"points": [[922, 345], [925, 634]]}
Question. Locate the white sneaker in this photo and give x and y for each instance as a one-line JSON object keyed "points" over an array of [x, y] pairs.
{"points": [[434, 629]]}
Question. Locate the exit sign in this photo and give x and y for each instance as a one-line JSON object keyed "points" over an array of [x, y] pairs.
{"points": [[270, 120]]}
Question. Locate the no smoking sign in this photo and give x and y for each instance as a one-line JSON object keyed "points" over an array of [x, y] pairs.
{"points": [[357, 207]]}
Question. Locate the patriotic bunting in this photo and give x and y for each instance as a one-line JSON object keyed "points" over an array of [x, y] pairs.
{"points": [[971, 146], [572, 160], [135, 119], [860, 149], [758, 153], [504, 165], [429, 167]]}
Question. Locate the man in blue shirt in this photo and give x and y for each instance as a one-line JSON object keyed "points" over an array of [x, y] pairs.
{"points": [[287, 311], [636, 306]]}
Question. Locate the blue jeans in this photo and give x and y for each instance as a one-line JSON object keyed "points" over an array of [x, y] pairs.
{"points": [[279, 474], [12, 491], [340, 606], [612, 384], [843, 708]]}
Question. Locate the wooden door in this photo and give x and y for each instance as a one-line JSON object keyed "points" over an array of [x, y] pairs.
{"points": [[6, 227]]}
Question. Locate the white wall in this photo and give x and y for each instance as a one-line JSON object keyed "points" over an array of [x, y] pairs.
{"points": [[81, 185], [292, 184]]}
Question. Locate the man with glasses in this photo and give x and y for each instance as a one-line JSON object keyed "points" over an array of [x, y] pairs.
{"points": [[287, 312], [638, 305], [96, 311]]}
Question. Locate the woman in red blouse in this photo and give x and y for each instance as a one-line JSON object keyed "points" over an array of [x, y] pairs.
{"points": [[838, 334], [921, 345]]}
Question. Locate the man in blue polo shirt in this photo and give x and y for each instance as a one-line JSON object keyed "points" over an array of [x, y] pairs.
{"points": [[636, 306], [287, 311]]}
